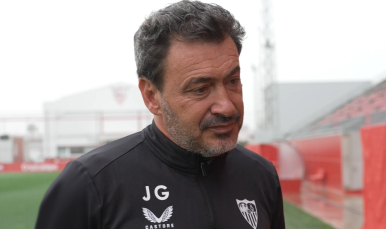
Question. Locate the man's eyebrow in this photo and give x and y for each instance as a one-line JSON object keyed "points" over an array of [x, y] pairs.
{"points": [[235, 70], [199, 80]]}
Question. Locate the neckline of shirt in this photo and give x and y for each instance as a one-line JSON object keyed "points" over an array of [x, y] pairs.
{"points": [[172, 154]]}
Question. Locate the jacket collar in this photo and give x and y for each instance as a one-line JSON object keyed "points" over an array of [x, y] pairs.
{"points": [[171, 154]]}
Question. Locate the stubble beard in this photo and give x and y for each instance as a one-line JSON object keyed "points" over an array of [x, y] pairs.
{"points": [[183, 135]]}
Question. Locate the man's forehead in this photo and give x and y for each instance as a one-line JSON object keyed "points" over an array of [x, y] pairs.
{"points": [[187, 54], [203, 78]]}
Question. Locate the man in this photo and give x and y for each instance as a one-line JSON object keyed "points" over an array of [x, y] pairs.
{"points": [[184, 170]]}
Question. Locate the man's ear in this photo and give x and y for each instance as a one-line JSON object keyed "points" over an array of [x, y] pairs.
{"points": [[150, 95]]}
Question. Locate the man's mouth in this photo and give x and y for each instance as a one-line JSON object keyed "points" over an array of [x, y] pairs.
{"points": [[220, 123], [223, 128]]}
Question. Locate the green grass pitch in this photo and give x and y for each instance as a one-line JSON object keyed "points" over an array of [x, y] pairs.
{"points": [[295, 218], [21, 194], [20, 197]]}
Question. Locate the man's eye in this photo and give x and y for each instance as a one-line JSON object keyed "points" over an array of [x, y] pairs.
{"points": [[234, 81], [200, 90], [234, 84]]}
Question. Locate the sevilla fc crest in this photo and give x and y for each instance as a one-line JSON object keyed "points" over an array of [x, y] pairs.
{"points": [[249, 211]]}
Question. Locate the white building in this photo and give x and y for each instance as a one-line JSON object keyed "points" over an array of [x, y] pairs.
{"points": [[81, 122]]}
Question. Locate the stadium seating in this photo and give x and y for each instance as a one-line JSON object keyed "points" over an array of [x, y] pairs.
{"points": [[363, 106]]}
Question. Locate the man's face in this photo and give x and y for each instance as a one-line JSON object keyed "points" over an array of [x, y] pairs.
{"points": [[201, 103]]}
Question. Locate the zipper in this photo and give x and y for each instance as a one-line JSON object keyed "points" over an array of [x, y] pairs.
{"points": [[203, 169], [207, 199]]}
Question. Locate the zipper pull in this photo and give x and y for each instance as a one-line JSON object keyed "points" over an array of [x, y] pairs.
{"points": [[203, 170]]}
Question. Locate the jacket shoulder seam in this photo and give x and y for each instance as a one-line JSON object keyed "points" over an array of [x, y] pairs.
{"points": [[93, 184], [96, 174], [273, 173], [91, 178]]}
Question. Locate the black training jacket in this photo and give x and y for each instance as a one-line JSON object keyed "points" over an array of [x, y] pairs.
{"points": [[146, 181]]}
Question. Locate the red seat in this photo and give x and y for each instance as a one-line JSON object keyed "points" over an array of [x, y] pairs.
{"points": [[319, 175]]}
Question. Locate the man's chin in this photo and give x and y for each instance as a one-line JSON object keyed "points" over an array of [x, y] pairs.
{"points": [[220, 145], [223, 136]]}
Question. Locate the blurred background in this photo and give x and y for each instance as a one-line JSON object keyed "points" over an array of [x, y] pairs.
{"points": [[314, 81]]}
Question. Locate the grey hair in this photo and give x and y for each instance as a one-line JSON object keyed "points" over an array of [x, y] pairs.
{"points": [[189, 20]]}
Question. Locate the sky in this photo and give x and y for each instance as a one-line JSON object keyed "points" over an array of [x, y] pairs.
{"points": [[51, 49]]}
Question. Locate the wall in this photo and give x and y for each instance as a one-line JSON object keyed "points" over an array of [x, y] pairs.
{"points": [[292, 172], [352, 163], [291, 163], [322, 153], [268, 151], [11, 149], [32, 167], [6, 150], [374, 191]]}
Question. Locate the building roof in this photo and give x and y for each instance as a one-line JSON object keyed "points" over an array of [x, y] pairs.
{"points": [[112, 98], [369, 107], [300, 103]]}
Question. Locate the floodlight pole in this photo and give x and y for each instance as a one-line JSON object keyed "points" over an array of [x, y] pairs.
{"points": [[267, 70]]}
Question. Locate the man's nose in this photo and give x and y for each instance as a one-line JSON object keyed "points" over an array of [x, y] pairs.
{"points": [[222, 103]]}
